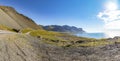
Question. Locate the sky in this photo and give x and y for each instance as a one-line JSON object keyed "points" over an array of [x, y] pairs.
{"points": [[79, 13]]}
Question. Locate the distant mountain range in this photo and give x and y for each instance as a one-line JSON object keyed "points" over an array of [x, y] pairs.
{"points": [[64, 28]]}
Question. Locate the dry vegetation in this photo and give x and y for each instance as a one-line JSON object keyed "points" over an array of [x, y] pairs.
{"points": [[66, 40], [3, 27], [61, 39]]}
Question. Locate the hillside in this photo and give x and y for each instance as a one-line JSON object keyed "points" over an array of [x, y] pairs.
{"points": [[23, 47], [64, 28], [11, 18]]}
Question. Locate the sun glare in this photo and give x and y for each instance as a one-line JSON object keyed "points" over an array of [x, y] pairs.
{"points": [[111, 17], [111, 6]]}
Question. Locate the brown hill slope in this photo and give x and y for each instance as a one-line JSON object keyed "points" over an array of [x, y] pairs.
{"points": [[23, 47], [10, 17]]}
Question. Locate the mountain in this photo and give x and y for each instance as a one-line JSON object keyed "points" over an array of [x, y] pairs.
{"points": [[41, 45], [11, 18], [64, 28]]}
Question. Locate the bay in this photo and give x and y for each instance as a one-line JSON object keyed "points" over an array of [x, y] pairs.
{"points": [[91, 35]]}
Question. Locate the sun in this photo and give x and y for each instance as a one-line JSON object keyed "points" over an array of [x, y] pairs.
{"points": [[111, 6]]}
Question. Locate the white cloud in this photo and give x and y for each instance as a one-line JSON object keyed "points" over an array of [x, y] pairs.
{"points": [[109, 16]]}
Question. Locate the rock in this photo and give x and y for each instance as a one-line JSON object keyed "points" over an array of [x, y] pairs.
{"points": [[116, 37]]}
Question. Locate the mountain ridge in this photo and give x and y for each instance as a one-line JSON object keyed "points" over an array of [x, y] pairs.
{"points": [[64, 28]]}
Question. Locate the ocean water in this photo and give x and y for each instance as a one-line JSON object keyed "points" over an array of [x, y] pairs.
{"points": [[92, 35]]}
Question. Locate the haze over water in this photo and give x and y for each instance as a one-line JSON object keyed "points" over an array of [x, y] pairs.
{"points": [[92, 35]]}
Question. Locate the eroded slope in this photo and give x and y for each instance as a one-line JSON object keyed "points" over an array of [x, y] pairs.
{"points": [[10, 17]]}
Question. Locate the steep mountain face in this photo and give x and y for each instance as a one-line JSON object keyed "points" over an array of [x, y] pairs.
{"points": [[64, 28], [10, 17]]}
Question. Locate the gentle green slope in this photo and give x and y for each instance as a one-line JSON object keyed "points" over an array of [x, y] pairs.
{"points": [[62, 39]]}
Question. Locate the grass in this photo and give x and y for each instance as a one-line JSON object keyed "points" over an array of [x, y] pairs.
{"points": [[66, 40], [95, 43], [7, 28], [25, 30], [61, 39], [52, 36], [3, 27], [43, 32], [48, 36]]}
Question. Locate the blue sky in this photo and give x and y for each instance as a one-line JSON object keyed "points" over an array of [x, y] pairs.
{"points": [[79, 13]]}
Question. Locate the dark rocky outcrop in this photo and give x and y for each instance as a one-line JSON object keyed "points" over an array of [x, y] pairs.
{"points": [[64, 28]]}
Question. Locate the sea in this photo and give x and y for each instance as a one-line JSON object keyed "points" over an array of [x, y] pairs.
{"points": [[92, 35]]}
